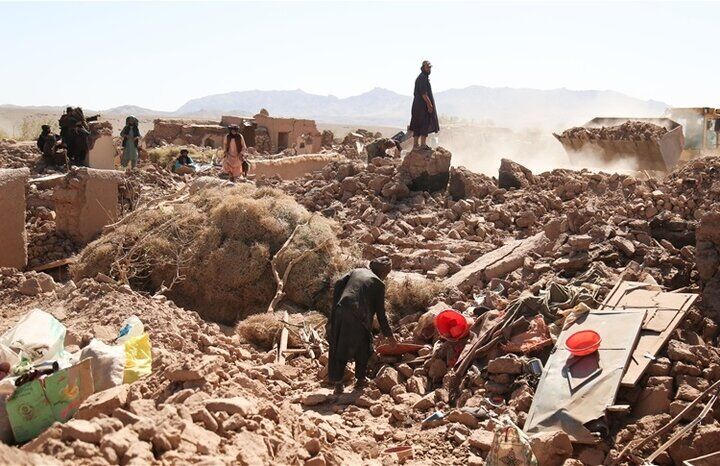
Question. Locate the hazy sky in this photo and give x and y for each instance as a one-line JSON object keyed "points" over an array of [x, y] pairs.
{"points": [[159, 55]]}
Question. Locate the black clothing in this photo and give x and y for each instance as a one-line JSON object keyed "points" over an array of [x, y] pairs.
{"points": [[184, 159], [376, 149], [423, 122], [357, 298], [67, 124], [78, 148], [129, 133], [43, 138]]}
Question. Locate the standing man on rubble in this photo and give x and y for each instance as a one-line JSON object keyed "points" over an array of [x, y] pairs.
{"points": [[130, 135], [357, 298], [424, 119], [235, 149]]}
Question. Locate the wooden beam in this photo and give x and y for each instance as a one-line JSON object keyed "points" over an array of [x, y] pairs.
{"points": [[282, 347], [55, 264]]}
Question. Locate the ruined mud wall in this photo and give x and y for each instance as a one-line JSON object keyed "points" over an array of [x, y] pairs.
{"points": [[289, 168], [179, 132], [86, 201], [294, 127], [13, 239]]}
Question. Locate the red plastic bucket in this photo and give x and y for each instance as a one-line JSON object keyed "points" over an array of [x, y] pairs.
{"points": [[583, 342], [452, 325]]}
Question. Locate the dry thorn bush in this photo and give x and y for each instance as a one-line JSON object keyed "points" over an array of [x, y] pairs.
{"points": [[408, 294], [263, 330], [213, 252]]}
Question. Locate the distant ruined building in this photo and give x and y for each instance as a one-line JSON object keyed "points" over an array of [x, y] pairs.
{"points": [[265, 133]]}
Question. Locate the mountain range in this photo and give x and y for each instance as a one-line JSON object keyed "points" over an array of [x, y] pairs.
{"points": [[507, 107], [500, 106]]}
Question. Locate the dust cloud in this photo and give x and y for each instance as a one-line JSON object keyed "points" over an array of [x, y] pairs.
{"points": [[480, 148]]}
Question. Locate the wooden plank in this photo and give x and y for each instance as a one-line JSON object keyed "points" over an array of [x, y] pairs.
{"points": [[665, 311], [55, 264], [282, 347], [711, 459]]}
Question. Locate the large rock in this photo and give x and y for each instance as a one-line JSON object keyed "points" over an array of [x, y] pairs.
{"points": [[514, 175], [386, 379], [505, 365], [236, 405], [79, 429], [104, 402], [551, 448], [498, 263], [426, 170], [465, 184]]}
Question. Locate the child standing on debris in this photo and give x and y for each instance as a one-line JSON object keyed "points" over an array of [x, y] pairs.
{"points": [[234, 163], [357, 298], [130, 135]]}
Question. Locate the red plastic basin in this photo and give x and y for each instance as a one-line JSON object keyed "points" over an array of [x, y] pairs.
{"points": [[452, 325], [583, 342]]}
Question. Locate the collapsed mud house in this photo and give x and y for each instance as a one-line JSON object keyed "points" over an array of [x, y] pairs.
{"points": [[515, 253], [265, 133]]}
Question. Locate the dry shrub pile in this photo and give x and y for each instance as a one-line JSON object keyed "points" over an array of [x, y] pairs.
{"points": [[213, 251], [263, 330], [409, 293]]}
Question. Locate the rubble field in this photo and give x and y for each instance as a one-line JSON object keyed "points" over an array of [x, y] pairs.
{"points": [[232, 283]]}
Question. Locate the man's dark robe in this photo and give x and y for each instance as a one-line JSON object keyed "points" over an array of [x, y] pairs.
{"points": [[45, 138], [423, 122], [357, 298]]}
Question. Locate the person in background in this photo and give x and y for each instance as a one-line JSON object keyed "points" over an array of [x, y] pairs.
{"points": [[357, 298], [383, 147], [47, 142], [46, 137], [184, 165], [424, 119], [235, 148], [130, 135], [67, 124]]}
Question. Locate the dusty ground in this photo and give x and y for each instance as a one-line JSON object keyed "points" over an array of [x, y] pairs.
{"points": [[593, 227]]}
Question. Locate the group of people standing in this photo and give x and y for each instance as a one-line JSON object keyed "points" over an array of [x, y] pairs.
{"points": [[75, 137]]}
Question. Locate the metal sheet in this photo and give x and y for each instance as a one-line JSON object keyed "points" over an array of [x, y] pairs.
{"points": [[664, 312], [557, 406]]}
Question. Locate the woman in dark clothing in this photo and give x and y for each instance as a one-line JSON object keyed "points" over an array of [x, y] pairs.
{"points": [[424, 114]]}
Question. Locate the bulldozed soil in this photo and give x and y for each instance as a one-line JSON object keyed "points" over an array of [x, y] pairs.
{"points": [[628, 131]]}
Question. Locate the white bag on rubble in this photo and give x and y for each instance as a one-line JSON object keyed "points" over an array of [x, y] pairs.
{"points": [[8, 355], [38, 336], [131, 327], [107, 363]]}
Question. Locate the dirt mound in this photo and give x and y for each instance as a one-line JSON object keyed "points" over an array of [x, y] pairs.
{"points": [[213, 251], [628, 131]]}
